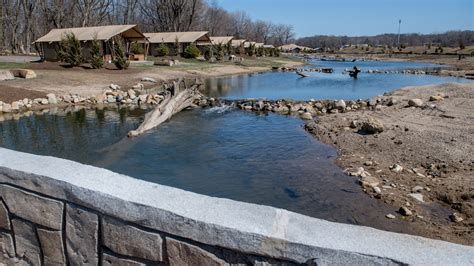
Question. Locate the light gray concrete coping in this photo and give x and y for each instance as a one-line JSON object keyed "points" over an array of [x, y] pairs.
{"points": [[244, 227]]}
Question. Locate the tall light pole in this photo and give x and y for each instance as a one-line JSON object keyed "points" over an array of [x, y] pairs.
{"points": [[398, 40]]}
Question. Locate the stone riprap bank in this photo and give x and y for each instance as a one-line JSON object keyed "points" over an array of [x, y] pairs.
{"points": [[56, 212]]}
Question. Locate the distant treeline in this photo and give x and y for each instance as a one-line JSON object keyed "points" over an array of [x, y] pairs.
{"points": [[447, 39]]}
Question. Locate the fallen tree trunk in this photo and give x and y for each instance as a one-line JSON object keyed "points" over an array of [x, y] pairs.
{"points": [[176, 99]]}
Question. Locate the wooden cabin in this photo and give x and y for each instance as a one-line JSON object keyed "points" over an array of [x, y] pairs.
{"points": [[177, 41], [48, 45]]}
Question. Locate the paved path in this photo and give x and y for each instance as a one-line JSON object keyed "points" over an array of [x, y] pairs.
{"points": [[18, 58]]}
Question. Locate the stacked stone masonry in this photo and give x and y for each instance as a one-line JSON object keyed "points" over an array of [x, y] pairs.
{"points": [[40, 230], [59, 212]]}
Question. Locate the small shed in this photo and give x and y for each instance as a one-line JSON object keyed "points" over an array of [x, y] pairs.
{"points": [[48, 45], [177, 41]]}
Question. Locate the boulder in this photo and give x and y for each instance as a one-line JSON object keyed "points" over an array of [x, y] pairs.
{"points": [[415, 103], [15, 106], [354, 124], [139, 86], [67, 98], [6, 75], [7, 108], [455, 217], [392, 102], [147, 79], [26, 73], [101, 98], [436, 98], [369, 181], [23, 73], [396, 168], [318, 106], [306, 116], [295, 107], [417, 189], [132, 94], [52, 98], [372, 126], [417, 196], [341, 104], [114, 86], [142, 98], [373, 102], [405, 211], [111, 99]]}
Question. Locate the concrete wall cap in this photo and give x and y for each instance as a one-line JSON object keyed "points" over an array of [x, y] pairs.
{"points": [[273, 231]]}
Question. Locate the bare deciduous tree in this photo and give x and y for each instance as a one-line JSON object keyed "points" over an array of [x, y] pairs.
{"points": [[22, 21]]}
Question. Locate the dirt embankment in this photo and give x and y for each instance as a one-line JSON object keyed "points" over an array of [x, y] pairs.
{"points": [[434, 146], [61, 80]]}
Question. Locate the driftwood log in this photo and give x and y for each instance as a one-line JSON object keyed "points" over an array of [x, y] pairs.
{"points": [[178, 97], [303, 75]]}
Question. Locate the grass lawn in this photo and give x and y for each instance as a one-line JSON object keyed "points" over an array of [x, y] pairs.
{"points": [[9, 65]]}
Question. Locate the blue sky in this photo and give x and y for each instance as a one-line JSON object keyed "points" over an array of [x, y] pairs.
{"points": [[360, 17]]}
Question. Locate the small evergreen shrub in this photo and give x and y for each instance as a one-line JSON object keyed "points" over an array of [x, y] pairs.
{"points": [[229, 49], [70, 50], [120, 59], [176, 45], [162, 50], [208, 53], [191, 51], [137, 48], [220, 52], [251, 50], [96, 60]]}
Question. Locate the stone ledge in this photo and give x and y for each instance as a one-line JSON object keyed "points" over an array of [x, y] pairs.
{"points": [[40, 210], [247, 228]]}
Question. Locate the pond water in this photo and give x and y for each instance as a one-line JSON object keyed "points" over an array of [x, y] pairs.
{"points": [[283, 85], [259, 158]]}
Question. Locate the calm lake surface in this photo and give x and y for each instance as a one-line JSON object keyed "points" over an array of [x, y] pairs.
{"points": [[259, 158], [283, 85]]}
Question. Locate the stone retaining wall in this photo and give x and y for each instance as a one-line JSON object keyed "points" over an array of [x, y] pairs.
{"points": [[56, 212]]}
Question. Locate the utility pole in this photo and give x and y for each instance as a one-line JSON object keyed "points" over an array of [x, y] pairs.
{"points": [[398, 40]]}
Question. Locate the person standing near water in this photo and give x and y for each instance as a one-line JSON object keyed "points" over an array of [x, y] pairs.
{"points": [[353, 73]]}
